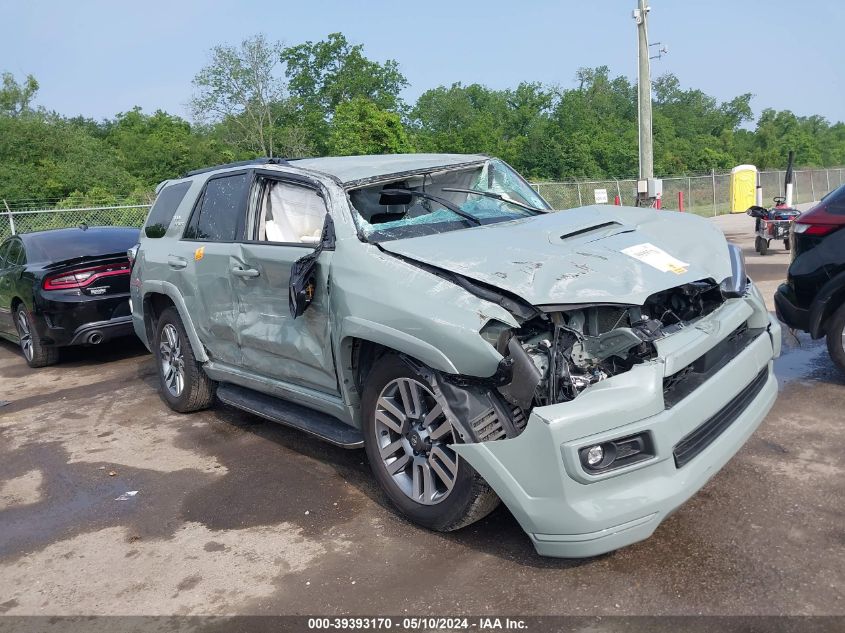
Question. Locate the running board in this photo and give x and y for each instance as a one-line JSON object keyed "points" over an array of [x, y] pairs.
{"points": [[315, 423]]}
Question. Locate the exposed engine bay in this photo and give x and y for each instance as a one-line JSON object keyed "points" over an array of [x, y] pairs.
{"points": [[560, 351], [556, 355]]}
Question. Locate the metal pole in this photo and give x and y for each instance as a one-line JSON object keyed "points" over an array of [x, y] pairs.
{"points": [[11, 217], [827, 174], [644, 93], [689, 191], [618, 192], [713, 177], [578, 184]]}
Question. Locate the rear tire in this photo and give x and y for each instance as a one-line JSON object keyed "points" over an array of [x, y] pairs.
{"points": [[184, 384], [836, 337], [406, 437], [35, 352]]}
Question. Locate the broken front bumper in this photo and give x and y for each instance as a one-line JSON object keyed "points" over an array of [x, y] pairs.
{"points": [[570, 513]]}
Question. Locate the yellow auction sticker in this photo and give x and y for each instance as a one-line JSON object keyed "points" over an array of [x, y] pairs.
{"points": [[199, 253]]}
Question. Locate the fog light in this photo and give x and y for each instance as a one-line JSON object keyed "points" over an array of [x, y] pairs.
{"points": [[594, 455]]}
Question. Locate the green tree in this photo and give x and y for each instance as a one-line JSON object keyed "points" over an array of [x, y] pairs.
{"points": [[359, 126], [322, 75], [15, 98], [160, 146], [241, 87]]}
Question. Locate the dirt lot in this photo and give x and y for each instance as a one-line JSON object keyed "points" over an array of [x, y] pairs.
{"points": [[234, 515]]}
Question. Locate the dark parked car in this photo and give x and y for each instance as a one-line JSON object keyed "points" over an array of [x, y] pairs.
{"points": [[65, 287], [813, 297]]}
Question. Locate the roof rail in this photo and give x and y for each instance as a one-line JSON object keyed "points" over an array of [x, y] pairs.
{"points": [[241, 163]]}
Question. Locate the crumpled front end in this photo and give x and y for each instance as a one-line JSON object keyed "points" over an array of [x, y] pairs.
{"points": [[619, 415]]}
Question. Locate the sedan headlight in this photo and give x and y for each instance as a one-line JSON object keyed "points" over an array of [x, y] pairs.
{"points": [[736, 284]]}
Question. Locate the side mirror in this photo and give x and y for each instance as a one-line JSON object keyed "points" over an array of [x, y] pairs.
{"points": [[303, 273]]}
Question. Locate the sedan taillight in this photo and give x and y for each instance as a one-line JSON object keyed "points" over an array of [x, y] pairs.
{"points": [[814, 229], [84, 277]]}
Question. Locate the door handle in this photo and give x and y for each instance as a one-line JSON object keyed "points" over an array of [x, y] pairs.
{"points": [[247, 273], [177, 263]]}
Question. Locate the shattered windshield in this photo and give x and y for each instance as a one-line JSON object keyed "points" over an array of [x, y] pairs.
{"points": [[437, 201]]}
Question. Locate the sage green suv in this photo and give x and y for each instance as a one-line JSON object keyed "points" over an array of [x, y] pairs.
{"points": [[591, 368]]}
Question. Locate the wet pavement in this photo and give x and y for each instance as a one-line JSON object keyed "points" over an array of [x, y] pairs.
{"points": [[235, 515]]}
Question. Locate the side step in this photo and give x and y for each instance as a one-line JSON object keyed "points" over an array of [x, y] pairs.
{"points": [[316, 423]]}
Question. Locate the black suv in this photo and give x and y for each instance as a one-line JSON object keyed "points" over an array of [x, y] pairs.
{"points": [[813, 297]]}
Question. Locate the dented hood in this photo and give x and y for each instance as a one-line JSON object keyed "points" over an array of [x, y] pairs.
{"points": [[577, 256]]}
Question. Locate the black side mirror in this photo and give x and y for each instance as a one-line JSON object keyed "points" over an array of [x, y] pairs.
{"points": [[303, 273]]}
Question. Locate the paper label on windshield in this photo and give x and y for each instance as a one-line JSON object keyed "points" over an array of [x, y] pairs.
{"points": [[656, 258]]}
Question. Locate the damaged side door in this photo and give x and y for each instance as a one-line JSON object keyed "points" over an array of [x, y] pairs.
{"points": [[288, 223]]}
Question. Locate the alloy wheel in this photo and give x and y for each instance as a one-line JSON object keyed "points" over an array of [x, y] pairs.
{"points": [[25, 335], [172, 361], [414, 435]]}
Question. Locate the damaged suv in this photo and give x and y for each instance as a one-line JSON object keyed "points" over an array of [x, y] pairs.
{"points": [[590, 368]]}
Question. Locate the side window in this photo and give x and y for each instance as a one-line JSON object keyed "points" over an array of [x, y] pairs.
{"points": [[219, 210], [4, 250], [290, 214], [15, 255], [164, 209]]}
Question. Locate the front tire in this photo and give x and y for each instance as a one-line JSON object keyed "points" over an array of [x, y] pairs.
{"points": [[184, 384], [764, 246], [35, 352], [407, 437], [836, 337]]}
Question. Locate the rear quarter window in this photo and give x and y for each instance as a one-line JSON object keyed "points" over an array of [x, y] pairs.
{"points": [[835, 201], [164, 209], [219, 210]]}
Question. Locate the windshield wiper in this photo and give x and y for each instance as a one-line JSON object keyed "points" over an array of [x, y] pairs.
{"points": [[495, 196], [452, 207]]}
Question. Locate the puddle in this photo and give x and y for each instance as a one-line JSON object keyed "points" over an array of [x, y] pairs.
{"points": [[805, 360]]}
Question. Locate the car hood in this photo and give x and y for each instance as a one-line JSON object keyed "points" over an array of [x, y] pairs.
{"points": [[576, 256]]}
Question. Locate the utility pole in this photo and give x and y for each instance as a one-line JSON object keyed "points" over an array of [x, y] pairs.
{"points": [[644, 100]]}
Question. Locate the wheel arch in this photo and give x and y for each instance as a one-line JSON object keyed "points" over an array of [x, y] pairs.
{"points": [[157, 297], [827, 301]]}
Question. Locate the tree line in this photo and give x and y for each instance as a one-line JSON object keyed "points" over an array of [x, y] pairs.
{"points": [[329, 98]]}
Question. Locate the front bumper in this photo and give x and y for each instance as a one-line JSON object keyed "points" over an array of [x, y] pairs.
{"points": [[794, 317], [570, 513]]}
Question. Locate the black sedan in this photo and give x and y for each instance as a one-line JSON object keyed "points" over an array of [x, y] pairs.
{"points": [[65, 287], [813, 297]]}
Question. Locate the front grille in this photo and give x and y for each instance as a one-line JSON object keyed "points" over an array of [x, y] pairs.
{"points": [[682, 383], [699, 439]]}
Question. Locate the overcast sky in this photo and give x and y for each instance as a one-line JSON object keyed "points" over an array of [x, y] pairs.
{"points": [[98, 58]]}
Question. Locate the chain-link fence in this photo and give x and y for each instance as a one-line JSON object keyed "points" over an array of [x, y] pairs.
{"points": [[703, 195], [31, 220]]}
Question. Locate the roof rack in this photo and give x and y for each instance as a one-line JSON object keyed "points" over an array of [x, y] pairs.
{"points": [[241, 163]]}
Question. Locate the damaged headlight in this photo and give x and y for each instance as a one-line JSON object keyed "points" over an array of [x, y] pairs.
{"points": [[735, 285]]}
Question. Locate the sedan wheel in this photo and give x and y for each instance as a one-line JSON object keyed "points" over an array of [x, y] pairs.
{"points": [[414, 437], [35, 351], [25, 335]]}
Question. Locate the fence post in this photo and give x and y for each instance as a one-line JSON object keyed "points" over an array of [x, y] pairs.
{"points": [[689, 191], [11, 217], [578, 184], [812, 187], [827, 174], [618, 192], [713, 178]]}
